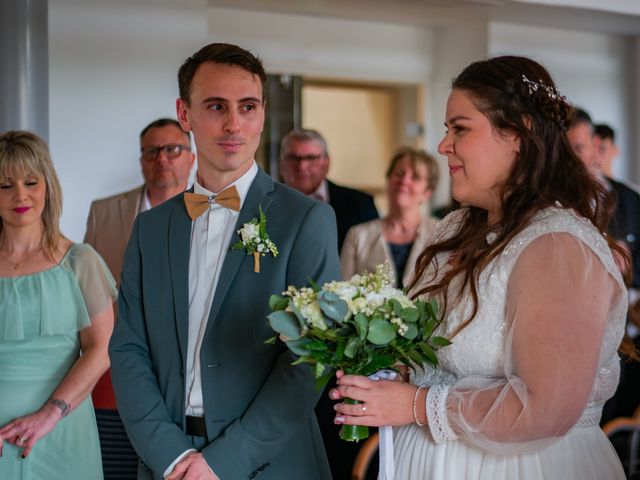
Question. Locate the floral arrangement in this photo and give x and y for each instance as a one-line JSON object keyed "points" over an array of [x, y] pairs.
{"points": [[361, 326], [255, 241]]}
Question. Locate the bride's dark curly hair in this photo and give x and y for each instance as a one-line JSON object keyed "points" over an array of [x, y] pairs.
{"points": [[545, 171]]}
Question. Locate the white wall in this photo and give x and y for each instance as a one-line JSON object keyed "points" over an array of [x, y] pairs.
{"points": [[590, 69], [328, 47], [112, 70]]}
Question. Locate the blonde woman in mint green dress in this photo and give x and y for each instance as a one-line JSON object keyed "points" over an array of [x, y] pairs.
{"points": [[56, 316]]}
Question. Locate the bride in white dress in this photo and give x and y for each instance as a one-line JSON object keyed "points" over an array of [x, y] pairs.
{"points": [[533, 296]]}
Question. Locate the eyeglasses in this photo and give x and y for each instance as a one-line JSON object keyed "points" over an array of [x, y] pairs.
{"points": [[292, 157], [170, 151]]}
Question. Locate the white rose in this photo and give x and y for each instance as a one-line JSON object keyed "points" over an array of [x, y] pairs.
{"points": [[248, 232], [346, 291], [313, 315], [375, 299]]}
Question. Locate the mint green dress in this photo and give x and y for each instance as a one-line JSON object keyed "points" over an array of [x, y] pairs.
{"points": [[40, 317]]}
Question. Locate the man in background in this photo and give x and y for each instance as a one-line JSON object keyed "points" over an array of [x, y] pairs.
{"points": [[166, 161], [304, 164], [605, 149], [625, 225]]}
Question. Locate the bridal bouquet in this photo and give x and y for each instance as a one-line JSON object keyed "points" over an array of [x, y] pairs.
{"points": [[361, 326]]}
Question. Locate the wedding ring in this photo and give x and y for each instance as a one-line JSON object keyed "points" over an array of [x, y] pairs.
{"points": [[22, 440], [364, 408]]}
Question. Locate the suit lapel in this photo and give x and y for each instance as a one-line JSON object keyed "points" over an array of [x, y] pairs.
{"points": [[179, 247], [258, 195]]}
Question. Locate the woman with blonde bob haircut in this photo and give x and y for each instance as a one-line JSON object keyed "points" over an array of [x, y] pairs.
{"points": [[56, 316], [531, 295]]}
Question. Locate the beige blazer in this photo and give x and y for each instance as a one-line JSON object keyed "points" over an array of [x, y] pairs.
{"points": [[109, 227], [365, 247]]}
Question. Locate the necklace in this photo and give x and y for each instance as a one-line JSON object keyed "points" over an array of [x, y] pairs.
{"points": [[19, 265]]}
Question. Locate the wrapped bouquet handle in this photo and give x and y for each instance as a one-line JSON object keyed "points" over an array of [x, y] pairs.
{"points": [[387, 467]]}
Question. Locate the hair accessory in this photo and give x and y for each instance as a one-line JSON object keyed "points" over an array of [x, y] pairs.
{"points": [[552, 92]]}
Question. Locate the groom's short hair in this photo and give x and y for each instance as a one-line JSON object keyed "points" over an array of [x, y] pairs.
{"points": [[224, 54]]}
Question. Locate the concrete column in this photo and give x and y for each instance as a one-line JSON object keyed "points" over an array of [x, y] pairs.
{"points": [[24, 72]]}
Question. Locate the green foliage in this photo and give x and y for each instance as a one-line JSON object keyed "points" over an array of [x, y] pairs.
{"points": [[353, 326]]}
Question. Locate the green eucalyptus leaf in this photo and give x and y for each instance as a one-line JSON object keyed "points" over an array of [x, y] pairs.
{"points": [[362, 325], [440, 341], [333, 306], [434, 307], [381, 332], [422, 309], [429, 328], [271, 341], [285, 323], [415, 356], [298, 347], [301, 320], [397, 307], [410, 315], [412, 332], [277, 302], [429, 353], [352, 347]]}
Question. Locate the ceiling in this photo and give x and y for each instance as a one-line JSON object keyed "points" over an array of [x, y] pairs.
{"points": [[604, 16]]}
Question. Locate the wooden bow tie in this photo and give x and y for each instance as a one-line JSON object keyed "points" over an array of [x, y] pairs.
{"points": [[198, 203]]}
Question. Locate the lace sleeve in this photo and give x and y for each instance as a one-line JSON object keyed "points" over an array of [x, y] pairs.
{"points": [[96, 282], [559, 301]]}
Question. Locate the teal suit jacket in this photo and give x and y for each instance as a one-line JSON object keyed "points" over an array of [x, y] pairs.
{"points": [[258, 407]]}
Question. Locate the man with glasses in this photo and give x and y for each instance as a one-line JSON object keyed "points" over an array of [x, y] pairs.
{"points": [[304, 164], [166, 161]]}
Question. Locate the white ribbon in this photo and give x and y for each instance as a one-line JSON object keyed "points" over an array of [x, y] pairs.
{"points": [[387, 467]]}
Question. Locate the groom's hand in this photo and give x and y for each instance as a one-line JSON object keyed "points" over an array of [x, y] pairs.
{"points": [[192, 467]]}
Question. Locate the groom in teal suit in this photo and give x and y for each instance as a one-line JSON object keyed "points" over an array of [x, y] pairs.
{"points": [[200, 393]]}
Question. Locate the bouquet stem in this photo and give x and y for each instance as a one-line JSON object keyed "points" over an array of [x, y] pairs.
{"points": [[353, 433]]}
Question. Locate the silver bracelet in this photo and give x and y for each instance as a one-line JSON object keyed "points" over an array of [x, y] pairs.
{"points": [[61, 404], [415, 400]]}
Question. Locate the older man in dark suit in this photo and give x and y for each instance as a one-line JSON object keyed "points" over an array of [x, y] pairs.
{"points": [[304, 163]]}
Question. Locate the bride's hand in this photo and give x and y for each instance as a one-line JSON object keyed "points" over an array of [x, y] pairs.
{"points": [[384, 402]]}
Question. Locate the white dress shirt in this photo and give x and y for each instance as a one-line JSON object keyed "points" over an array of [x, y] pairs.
{"points": [[145, 203], [321, 193], [211, 234]]}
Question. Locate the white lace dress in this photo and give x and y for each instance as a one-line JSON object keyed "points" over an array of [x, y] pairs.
{"points": [[519, 393]]}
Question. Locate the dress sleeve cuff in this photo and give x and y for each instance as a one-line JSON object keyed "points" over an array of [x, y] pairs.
{"points": [[436, 410]]}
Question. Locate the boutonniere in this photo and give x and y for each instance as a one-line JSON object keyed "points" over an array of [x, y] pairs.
{"points": [[255, 241]]}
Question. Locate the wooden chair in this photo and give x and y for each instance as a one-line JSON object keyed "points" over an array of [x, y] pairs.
{"points": [[631, 427], [363, 459]]}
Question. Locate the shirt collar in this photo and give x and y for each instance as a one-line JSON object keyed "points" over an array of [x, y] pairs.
{"points": [[322, 192], [242, 184]]}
